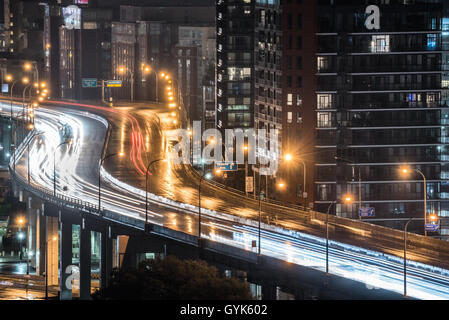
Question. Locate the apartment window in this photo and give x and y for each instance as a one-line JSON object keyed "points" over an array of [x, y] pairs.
{"points": [[299, 82], [323, 63], [236, 74], [289, 117], [299, 43], [289, 99], [324, 119], [289, 62], [289, 21], [380, 43], [289, 42], [299, 117], [324, 101], [298, 100], [431, 99], [431, 41], [323, 192], [299, 63], [289, 81], [299, 21]]}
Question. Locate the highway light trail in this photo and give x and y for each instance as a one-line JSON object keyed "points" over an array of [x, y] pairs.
{"points": [[372, 268]]}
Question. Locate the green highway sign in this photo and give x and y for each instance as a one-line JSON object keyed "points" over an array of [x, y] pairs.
{"points": [[89, 83]]}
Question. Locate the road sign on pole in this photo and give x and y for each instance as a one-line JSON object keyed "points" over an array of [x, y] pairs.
{"points": [[89, 83], [432, 227], [114, 83], [226, 166], [367, 212]]}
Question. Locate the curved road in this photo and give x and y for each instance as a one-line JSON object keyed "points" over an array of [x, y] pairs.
{"points": [[138, 133]]}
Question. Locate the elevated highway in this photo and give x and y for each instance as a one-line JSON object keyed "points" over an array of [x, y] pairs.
{"points": [[359, 251]]}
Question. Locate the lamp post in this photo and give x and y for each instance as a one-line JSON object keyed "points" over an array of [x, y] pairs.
{"points": [[405, 171], [123, 70], [205, 175], [348, 200], [27, 84], [32, 65], [54, 164], [99, 176], [405, 256], [260, 218], [360, 182], [148, 69], [28, 153], [9, 78], [146, 191]]}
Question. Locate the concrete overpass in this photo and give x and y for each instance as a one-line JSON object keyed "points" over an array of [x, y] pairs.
{"points": [[229, 238]]}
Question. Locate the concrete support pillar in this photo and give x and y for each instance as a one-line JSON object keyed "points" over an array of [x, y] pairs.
{"points": [[65, 261], [85, 262], [28, 231], [52, 250], [121, 246], [268, 291], [42, 225], [106, 257], [35, 262]]}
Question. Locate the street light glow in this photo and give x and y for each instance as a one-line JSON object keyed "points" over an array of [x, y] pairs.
{"points": [[348, 199]]}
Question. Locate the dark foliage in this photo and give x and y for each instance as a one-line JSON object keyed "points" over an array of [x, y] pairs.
{"points": [[173, 279]]}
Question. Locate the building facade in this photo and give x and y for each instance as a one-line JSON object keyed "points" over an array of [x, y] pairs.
{"points": [[299, 100], [382, 104], [249, 70]]}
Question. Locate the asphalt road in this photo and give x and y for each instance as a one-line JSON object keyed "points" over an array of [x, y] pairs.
{"points": [[138, 133]]}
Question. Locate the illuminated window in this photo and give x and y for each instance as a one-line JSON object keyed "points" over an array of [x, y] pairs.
{"points": [[324, 101], [323, 63], [289, 117], [298, 100], [299, 117], [236, 74], [324, 119], [431, 41], [289, 99], [380, 43]]}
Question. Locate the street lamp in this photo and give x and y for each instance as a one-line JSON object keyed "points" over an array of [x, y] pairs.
{"points": [[54, 164], [288, 158], [122, 70], [32, 65], [348, 200], [360, 183], [208, 176], [280, 185], [406, 171], [10, 78], [27, 85], [28, 153], [148, 69], [405, 256], [146, 191], [121, 154]]}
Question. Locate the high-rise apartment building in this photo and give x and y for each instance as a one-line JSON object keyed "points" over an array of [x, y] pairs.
{"points": [[249, 66], [382, 102]]}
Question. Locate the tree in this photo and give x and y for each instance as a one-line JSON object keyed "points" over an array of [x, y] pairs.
{"points": [[173, 279]]}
